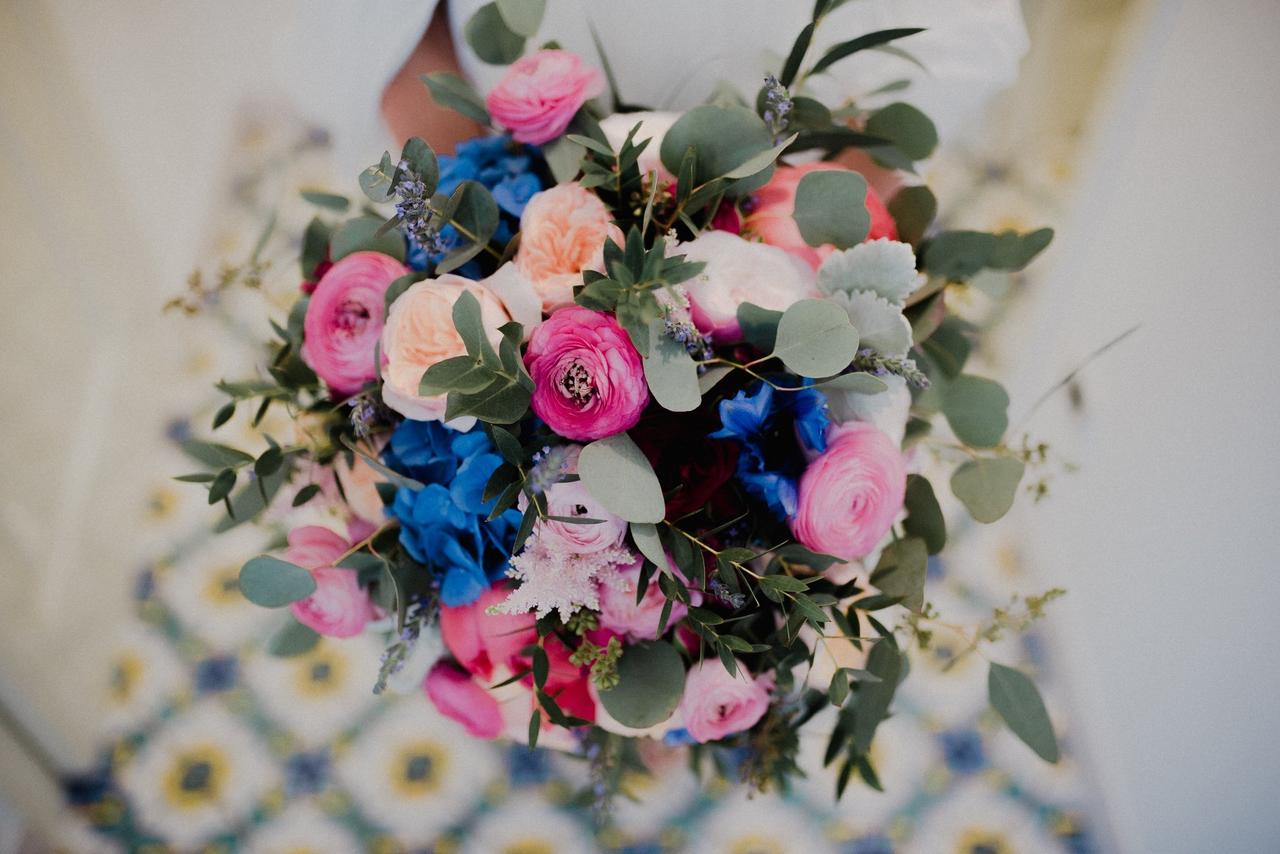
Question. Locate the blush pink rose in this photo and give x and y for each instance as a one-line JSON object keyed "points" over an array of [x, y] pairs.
{"points": [[562, 233], [850, 495], [573, 499], [771, 218], [482, 642], [344, 319], [540, 93], [588, 377], [459, 697], [622, 615], [716, 703], [741, 271], [420, 332]]}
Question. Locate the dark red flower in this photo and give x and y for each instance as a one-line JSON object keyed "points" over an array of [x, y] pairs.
{"points": [[691, 467]]}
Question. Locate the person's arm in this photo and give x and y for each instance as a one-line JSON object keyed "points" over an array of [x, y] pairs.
{"points": [[407, 106]]}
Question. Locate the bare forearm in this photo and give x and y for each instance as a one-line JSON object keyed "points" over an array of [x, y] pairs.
{"points": [[407, 107]]}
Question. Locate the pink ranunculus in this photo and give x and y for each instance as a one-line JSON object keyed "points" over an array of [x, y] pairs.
{"points": [[344, 319], [339, 607], [741, 271], [562, 232], [482, 642], [716, 703], [621, 614], [567, 682], [314, 546], [540, 93], [588, 377], [850, 495], [574, 499], [773, 208], [420, 332], [458, 696]]}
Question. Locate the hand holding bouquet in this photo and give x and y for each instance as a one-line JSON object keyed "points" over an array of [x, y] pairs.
{"points": [[627, 410]]}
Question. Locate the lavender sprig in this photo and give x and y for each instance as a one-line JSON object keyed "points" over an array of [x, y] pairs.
{"points": [[777, 106], [872, 362]]}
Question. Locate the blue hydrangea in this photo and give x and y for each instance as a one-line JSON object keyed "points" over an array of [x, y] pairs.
{"points": [[443, 525], [503, 166], [773, 428]]}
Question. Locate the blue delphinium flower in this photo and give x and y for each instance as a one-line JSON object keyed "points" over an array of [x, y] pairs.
{"points": [[503, 166], [773, 429], [443, 525]]}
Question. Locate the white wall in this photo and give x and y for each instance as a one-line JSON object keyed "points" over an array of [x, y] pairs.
{"points": [[1167, 537]]}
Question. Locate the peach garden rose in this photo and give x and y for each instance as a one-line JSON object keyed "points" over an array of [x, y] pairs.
{"points": [[420, 332], [562, 233]]}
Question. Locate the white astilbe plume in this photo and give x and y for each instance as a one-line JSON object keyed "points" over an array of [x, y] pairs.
{"points": [[884, 267], [552, 579]]}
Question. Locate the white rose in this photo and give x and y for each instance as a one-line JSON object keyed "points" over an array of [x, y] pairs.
{"points": [[653, 127]]}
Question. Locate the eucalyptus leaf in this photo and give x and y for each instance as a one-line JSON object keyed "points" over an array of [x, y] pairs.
{"points": [[650, 685], [475, 216], [863, 42], [461, 374], [911, 131], [274, 583], [957, 255], [645, 536], [723, 138], [924, 515], [452, 91], [859, 382], [977, 410], [815, 338], [708, 379], [292, 639], [913, 210], [1018, 701], [421, 161], [759, 326], [491, 38], [331, 201], [501, 402], [619, 476], [871, 705], [376, 181], [671, 372], [901, 571], [361, 234], [522, 17], [987, 486], [564, 158], [831, 207]]}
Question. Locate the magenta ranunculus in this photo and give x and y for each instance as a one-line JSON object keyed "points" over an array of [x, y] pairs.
{"points": [[716, 703], [588, 377], [344, 320], [459, 697], [540, 93], [850, 495]]}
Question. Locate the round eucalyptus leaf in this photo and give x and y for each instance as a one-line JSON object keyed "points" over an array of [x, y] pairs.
{"points": [[274, 583], [831, 207], [723, 138], [619, 476], [671, 372], [650, 684], [815, 338], [977, 410], [1015, 697], [292, 639], [491, 38], [910, 130], [360, 234], [988, 486]]}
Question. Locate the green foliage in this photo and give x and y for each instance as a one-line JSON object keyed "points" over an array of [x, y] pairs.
{"points": [[910, 132], [329, 201], [861, 43], [451, 91], [491, 385], [1016, 698], [619, 476], [959, 255], [913, 210], [650, 684], [274, 583], [987, 486], [491, 37], [901, 570], [646, 539], [977, 410], [378, 180], [292, 639], [831, 207], [522, 17], [671, 372], [759, 326], [474, 214], [815, 338], [629, 289], [924, 516], [722, 138], [361, 234]]}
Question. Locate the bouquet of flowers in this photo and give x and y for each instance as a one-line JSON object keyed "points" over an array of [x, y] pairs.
{"points": [[618, 422]]}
